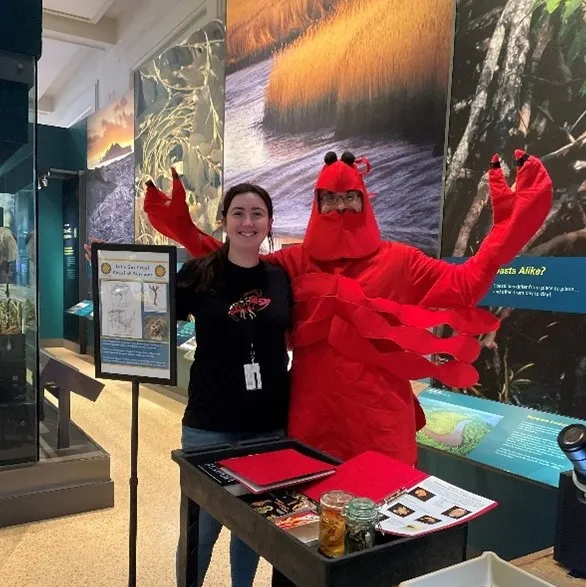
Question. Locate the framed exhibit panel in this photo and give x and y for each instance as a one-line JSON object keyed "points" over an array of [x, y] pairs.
{"points": [[134, 312]]}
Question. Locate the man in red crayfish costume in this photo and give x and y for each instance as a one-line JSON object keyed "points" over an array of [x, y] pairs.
{"points": [[364, 308]]}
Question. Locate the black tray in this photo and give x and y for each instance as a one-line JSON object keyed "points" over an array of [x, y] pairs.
{"points": [[392, 559]]}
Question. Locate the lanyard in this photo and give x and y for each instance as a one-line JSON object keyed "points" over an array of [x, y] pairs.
{"points": [[252, 376]]}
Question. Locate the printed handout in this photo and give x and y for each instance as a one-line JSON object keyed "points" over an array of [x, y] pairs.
{"points": [[431, 505]]}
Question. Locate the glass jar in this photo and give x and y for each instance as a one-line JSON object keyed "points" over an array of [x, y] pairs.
{"points": [[361, 518], [332, 523]]}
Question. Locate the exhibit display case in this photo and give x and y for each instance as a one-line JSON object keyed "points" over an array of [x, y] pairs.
{"points": [[48, 466], [18, 288]]}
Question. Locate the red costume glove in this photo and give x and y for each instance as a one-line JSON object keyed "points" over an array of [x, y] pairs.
{"points": [[170, 216], [518, 215]]}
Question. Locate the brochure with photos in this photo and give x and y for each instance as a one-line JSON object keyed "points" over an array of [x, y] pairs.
{"points": [[290, 511], [429, 506]]}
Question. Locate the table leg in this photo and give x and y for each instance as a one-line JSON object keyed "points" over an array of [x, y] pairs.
{"points": [[279, 580], [188, 543]]}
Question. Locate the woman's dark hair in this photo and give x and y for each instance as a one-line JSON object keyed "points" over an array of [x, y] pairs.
{"points": [[206, 274]]}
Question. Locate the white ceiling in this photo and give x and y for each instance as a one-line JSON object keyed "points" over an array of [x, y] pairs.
{"points": [[72, 31], [90, 10], [57, 55]]}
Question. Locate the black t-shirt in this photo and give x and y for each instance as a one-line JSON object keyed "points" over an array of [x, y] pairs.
{"points": [[253, 305]]}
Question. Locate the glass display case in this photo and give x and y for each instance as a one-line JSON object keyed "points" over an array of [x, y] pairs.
{"points": [[18, 281]]}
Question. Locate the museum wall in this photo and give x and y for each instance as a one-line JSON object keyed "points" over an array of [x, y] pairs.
{"points": [[518, 83]]}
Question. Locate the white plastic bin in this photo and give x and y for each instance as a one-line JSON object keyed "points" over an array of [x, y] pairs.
{"points": [[487, 570]]}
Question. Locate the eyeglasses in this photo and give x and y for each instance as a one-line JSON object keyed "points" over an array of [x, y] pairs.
{"points": [[331, 198]]}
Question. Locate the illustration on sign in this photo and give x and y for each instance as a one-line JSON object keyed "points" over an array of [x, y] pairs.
{"points": [[458, 431]]}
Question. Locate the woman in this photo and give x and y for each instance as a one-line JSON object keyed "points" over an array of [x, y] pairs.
{"points": [[238, 386]]}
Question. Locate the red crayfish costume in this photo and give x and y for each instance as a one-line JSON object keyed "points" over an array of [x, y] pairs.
{"points": [[364, 307]]}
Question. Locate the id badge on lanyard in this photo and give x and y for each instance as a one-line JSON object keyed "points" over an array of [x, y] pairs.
{"points": [[252, 373]]}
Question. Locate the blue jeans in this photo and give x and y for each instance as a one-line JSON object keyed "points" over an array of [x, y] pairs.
{"points": [[243, 560]]}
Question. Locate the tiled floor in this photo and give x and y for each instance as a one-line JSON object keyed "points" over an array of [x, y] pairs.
{"points": [[90, 550]]}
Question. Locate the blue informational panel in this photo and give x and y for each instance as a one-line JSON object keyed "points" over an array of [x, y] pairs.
{"points": [[517, 440], [556, 284], [84, 308], [185, 331]]}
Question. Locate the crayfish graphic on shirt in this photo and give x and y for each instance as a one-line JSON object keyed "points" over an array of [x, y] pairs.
{"points": [[248, 305]]}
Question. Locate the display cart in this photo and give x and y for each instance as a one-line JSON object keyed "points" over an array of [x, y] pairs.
{"points": [[392, 559]]}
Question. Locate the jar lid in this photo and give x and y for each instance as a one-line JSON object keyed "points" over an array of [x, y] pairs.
{"points": [[362, 508], [336, 499]]}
